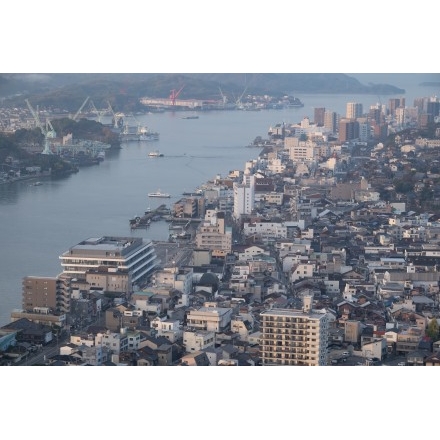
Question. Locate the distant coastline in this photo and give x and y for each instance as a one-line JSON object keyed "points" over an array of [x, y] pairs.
{"points": [[430, 84]]}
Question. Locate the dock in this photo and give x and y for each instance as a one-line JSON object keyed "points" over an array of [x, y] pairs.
{"points": [[142, 222]]}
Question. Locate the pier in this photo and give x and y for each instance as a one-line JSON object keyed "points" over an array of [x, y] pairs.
{"points": [[142, 222]]}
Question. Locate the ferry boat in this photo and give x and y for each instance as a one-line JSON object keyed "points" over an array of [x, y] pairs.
{"points": [[160, 194], [155, 153]]}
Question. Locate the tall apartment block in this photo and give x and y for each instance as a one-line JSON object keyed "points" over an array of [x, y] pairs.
{"points": [[395, 103], [331, 121], [354, 110], [319, 116], [293, 337], [348, 130]]}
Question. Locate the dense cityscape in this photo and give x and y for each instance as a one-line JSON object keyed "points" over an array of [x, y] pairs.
{"points": [[322, 250]]}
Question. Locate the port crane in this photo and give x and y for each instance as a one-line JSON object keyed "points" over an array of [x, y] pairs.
{"points": [[117, 118], [174, 95], [224, 98], [47, 131], [80, 109]]}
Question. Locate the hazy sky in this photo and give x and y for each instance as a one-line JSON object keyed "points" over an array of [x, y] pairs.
{"points": [[200, 36]]}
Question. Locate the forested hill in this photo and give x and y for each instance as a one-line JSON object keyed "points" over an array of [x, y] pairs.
{"points": [[69, 90]]}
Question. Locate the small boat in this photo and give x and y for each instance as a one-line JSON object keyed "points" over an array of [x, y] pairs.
{"points": [[155, 153], [190, 117], [159, 194], [36, 183]]}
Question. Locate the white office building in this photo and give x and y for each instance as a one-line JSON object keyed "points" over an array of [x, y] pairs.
{"points": [[131, 254]]}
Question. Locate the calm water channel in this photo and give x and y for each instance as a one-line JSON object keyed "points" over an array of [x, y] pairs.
{"points": [[38, 223]]}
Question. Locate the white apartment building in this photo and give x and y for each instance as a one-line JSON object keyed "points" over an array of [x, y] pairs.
{"points": [[244, 199], [115, 342], [268, 230], [198, 340], [214, 319], [168, 328], [275, 166], [174, 278], [301, 151], [250, 252], [293, 337], [301, 271]]}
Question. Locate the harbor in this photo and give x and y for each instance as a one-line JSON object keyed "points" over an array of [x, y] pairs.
{"points": [[151, 215]]}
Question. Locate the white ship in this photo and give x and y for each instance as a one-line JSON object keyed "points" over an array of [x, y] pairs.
{"points": [[159, 194], [155, 153]]}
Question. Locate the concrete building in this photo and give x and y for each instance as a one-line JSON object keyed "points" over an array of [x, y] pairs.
{"points": [[354, 110], [293, 337], [198, 340], [331, 121], [135, 255], [348, 130], [244, 199], [214, 319], [213, 234], [319, 113], [40, 292]]}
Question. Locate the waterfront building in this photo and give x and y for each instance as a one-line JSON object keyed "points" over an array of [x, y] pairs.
{"points": [[135, 255], [294, 337], [40, 292]]}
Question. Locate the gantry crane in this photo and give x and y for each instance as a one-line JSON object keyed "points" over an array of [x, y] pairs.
{"points": [[80, 109], [99, 113], [47, 131], [174, 95], [118, 119]]}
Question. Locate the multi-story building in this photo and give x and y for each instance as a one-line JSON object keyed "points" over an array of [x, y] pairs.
{"points": [[40, 292], [189, 207], [354, 110], [198, 340], [174, 278], [348, 130], [319, 116], [331, 121], [214, 319], [213, 234], [244, 199], [293, 337], [395, 103], [301, 151], [132, 254]]}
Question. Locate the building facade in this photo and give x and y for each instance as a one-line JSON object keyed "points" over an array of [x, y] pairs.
{"points": [[131, 254], [293, 337]]}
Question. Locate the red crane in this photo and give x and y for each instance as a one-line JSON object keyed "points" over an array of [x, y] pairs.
{"points": [[174, 95]]}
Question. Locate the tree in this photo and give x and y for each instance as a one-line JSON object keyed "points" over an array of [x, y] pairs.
{"points": [[433, 330]]}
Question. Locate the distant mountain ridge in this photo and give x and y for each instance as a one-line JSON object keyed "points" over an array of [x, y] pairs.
{"points": [[70, 89]]}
